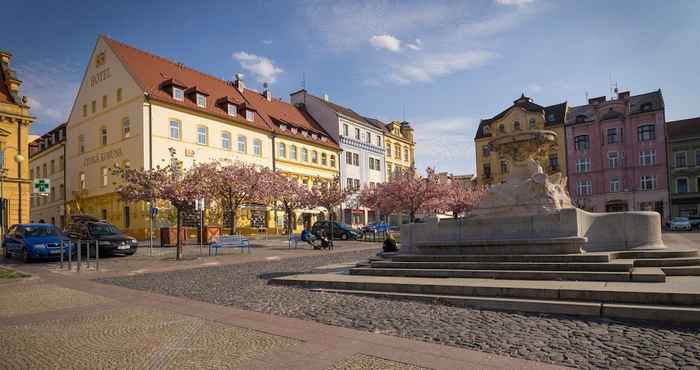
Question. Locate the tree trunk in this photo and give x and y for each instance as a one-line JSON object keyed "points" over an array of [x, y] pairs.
{"points": [[412, 216], [233, 220], [179, 240]]}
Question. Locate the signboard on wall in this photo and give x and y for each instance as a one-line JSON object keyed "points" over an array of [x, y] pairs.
{"points": [[41, 186]]}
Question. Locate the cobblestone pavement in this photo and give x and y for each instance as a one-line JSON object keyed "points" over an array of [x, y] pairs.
{"points": [[132, 339], [568, 341], [15, 300], [364, 362]]}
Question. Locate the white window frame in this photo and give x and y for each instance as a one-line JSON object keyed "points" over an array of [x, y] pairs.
{"points": [[584, 187], [226, 140], [81, 145], [613, 160], [126, 127], [304, 154], [314, 156], [687, 185], [231, 109], [242, 144], [583, 165], [685, 159], [358, 135], [249, 115], [105, 176], [257, 147], [178, 93], [201, 100], [346, 130], [104, 138], [614, 185], [647, 156], [293, 152], [83, 181], [205, 133], [177, 126], [282, 150], [645, 181]]}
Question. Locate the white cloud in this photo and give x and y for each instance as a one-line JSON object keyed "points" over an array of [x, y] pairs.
{"points": [[387, 42], [431, 66], [446, 144], [417, 45], [515, 2], [50, 87], [262, 67]]}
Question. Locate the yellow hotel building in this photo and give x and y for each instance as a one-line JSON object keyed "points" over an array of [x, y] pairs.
{"points": [[400, 148], [133, 106], [15, 185], [523, 115]]}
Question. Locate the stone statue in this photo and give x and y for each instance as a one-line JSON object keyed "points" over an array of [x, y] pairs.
{"points": [[527, 190]]}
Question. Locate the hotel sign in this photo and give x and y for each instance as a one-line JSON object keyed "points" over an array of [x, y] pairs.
{"points": [[101, 157]]}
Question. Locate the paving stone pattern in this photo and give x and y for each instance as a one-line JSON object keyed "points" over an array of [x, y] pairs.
{"points": [[570, 341], [16, 300], [132, 339], [364, 362]]}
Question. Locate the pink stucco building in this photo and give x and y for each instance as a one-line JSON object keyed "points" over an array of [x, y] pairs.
{"points": [[616, 154]]}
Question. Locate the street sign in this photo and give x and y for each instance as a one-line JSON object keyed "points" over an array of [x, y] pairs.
{"points": [[41, 186], [199, 204], [154, 211]]}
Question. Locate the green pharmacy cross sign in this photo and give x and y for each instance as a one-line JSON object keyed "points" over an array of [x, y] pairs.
{"points": [[41, 186]]}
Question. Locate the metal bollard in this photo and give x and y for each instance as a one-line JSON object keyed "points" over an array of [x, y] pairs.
{"points": [[97, 255], [87, 257], [61, 255], [80, 254], [70, 256]]}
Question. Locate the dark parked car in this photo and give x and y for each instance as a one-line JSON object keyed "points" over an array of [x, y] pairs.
{"points": [[340, 230], [33, 241], [694, 221], [109, 238]]}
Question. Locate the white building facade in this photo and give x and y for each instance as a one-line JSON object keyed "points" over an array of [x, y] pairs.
{"points": [[362, 151]]}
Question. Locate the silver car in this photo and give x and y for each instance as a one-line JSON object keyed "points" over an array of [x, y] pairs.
{"points": [[681, 224]]}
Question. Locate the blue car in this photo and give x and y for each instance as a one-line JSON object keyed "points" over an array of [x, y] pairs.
{"points": [[35, 241]]}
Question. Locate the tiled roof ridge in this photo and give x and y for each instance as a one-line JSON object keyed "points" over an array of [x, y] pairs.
{"points": [[177, 64], [684, 120], [653, 92]]}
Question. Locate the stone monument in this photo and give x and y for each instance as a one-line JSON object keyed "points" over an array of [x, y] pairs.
{"points": [[531, 212]]}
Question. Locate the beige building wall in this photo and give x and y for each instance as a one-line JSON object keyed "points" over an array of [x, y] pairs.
{"points": [[399, 148], [49, 209]]}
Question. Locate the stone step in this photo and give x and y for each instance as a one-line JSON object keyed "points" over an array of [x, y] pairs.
{"points": [[664, 294], [671, 314], [530, 266], [654, 254], [667, 262], [681, 270], [561, 245], [496, 274], [598, 257]]}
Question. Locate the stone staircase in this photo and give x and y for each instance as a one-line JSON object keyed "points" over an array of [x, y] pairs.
{"points": [[640, 284], [632, 266]]}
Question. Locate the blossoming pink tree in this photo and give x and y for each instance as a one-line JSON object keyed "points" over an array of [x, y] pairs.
{"points": [[328, 194], [287, 195], [180, 188], [458, 198], [233, 185], [406, 191]]}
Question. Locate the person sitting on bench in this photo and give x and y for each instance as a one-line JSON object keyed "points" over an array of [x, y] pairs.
{"points": [[308, 237]]}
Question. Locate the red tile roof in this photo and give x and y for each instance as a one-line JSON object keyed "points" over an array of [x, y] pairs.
{"points": [[683, 129], [152, 73], [278, 112]]}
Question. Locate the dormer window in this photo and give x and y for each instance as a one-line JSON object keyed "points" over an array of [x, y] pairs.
{"points": [[249, 115], [231, 109], [516, 126], [580, 118], [178, 93], [533, 123], [551, 117], [201, 101], [486, 130], [294, 130], [314, 136], [283, 127], [646, 107]]}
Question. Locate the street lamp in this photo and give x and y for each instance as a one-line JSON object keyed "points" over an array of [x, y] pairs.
{"points": [[3, 172]]}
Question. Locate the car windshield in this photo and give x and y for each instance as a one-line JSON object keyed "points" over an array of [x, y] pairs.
{"points": [[679, 219], [38, 231], [103, 229], [342, 226]]}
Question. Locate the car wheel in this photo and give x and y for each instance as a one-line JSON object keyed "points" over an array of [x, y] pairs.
{"points": [[344, 236], [26, 258]]}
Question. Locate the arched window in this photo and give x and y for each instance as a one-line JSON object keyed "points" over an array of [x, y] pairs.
{"points": [[242, 144], [324, 159], [282, 150], [226, 140], [257, 147], [314, 156], [293, 152], [582, 142], [646, 133], [304, 155]]}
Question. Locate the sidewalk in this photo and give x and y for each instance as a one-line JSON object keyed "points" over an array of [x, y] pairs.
{"points": [[74, 322]]}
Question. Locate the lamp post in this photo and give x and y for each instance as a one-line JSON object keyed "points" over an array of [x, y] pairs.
{"points": [[3, 172]]}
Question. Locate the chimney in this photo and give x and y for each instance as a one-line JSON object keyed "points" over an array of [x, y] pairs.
{"points": [[266, 92], [238, 83], [623, 95]]}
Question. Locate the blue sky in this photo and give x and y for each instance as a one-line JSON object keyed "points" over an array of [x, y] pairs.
{"points": [[446, 64]]}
